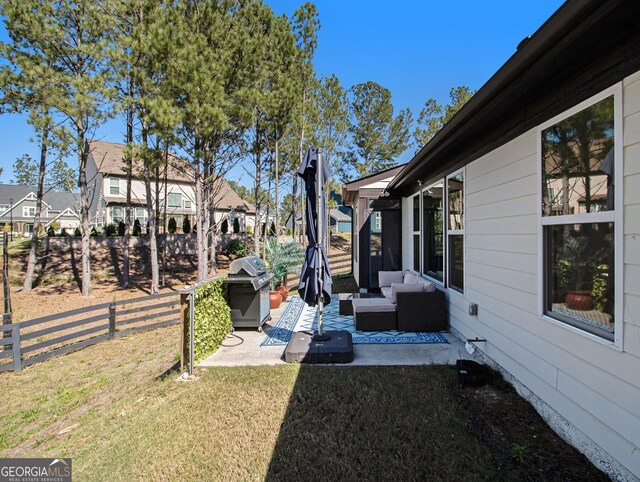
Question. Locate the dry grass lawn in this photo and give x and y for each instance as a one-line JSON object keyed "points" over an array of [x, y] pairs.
{"points": [[111, 410]]}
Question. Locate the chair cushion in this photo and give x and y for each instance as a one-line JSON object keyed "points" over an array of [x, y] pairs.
{"points": [[413, 279], [373, 305], [385, 278], [386, 292], [405, 288]]}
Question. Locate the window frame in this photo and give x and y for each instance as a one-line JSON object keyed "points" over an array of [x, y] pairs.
{"points": [[456, 232], [415, 232], [174, 206], [116, 186], [615, 216], [26, 211], [444, 233]]}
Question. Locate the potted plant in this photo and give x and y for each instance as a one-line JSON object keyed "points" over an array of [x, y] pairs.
{"points": [[576, 270], [280, 258]]}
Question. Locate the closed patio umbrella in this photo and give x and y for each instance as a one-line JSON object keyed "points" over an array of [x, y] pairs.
{"points": [[315, 278]]}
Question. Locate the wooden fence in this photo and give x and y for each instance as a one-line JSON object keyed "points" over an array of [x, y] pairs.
{"points": [[36, 340], [340, 263]]}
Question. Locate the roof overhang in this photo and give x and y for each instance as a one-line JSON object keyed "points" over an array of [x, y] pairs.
{"points": [[585, 47]]}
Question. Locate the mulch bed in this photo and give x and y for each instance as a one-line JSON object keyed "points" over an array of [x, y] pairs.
{"points": [[531, 449]]}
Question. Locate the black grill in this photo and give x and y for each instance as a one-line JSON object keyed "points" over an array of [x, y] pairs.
{"points": [[248, 288]]}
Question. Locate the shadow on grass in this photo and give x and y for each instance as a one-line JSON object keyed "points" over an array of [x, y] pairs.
{"points": [[353, 424], [415, 423]]}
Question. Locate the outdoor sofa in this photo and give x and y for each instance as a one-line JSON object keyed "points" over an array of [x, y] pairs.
{"points": [[409, 303]]}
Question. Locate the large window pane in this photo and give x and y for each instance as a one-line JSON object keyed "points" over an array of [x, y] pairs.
{"points": [[580, 277], [578, 160], [416, 213], [456, 197], [175, 200], [416, 252], [456, 262], [432, 232]]}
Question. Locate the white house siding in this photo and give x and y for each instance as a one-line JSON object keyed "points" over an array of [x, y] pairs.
{"points": [[591, 383]]}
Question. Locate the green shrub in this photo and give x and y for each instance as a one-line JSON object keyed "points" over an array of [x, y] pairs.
{"points": [[235, 247], [249, 230], [94, 232], [173, 226], [280, 258], [51, 231], [121, 228], [63, 232], [224, 227], [289, 232], [110, 229], [77, 233], [137, 228], [186, 225], [236, 225], [211, 319]]}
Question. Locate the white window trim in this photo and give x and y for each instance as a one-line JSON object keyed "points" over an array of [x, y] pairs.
{"points": [[456, 231], [26, 211], [444, 231], [414, 231], [616, 216]]}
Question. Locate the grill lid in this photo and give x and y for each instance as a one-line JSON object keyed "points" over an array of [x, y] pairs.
{"points": [[249, 265]]}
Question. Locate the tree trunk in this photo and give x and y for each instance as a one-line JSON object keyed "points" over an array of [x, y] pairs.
{"points": [[127, 209], [294, 205], [200, 232], [151, 230], [31, 265], [277, 201], [83, 155], [256, 232]]}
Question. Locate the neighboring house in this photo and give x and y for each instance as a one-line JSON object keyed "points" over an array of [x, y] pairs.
{"points": [[107, 175], [530, 195], [18, 205], [339, 221], [373, 248]]}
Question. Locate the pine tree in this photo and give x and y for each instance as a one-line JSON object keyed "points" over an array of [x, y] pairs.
{"points": [[433, 116], [379, 137], [25, 171]]}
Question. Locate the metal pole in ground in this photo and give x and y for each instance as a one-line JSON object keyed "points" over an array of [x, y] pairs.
{"points": [[192, 301], [319, 239], [5, 274]]}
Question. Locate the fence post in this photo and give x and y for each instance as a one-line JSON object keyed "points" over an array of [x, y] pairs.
{"points": [[184, 329], [17, 357], [6, 320], [112, 320]]}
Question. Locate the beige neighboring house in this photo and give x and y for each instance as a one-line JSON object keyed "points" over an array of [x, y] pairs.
{"points": [[18, 206], [107, 175]]}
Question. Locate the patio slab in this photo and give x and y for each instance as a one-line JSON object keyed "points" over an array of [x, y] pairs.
{"points": [[242, 348]]}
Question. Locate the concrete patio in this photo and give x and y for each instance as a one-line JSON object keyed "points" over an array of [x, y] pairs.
{"points": [[242, 348]]}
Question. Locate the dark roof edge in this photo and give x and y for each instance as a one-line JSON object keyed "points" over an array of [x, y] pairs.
{"points": [[375, 174], [562, 21]]}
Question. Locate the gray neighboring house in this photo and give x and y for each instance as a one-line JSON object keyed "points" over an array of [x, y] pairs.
{"points": [[339, 222], [18, 205]]}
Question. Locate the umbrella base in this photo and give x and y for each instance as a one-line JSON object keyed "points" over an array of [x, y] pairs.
{"points": [[304, 347]]}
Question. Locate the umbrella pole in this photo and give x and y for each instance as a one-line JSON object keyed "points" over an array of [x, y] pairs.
{"points": [[319, 199]]}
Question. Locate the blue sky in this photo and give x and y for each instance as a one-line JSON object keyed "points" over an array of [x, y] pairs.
{"points": [[417, 49]]}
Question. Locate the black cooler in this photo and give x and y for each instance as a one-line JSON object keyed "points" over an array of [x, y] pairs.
{"points": [[248, 289]]}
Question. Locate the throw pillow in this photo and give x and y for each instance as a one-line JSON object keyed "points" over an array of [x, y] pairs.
{"points": [[385, 278]]}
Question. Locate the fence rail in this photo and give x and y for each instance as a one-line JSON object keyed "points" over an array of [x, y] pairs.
{"points": [[39, 339]]}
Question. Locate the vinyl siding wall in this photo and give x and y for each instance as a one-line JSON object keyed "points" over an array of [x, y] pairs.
{"points": [[591, 383]]}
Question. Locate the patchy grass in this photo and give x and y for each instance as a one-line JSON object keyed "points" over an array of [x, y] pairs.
{"points": [[110, 408]]}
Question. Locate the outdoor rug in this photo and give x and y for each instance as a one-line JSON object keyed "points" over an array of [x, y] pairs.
{"points": [[298, 316]]}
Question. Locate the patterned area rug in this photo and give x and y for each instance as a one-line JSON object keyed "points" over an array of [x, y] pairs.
{"points": [[300, 317]]}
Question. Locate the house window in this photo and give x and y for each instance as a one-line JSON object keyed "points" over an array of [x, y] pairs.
{"points": [[116, 214], [433, 232], [455, 230], [114, 187], [28, 211], [175, 200], [187, 203], [416, 233], [578, 163]]}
